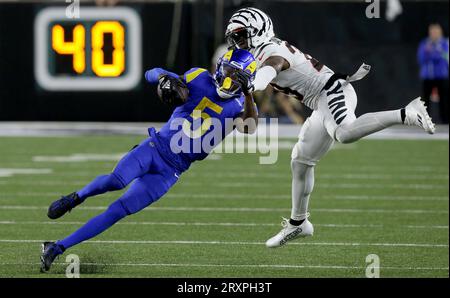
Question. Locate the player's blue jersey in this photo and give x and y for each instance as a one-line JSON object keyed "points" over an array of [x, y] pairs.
{"points": [[198, 125]]}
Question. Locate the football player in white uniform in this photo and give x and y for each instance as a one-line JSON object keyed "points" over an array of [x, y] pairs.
{"points": [[329, 94]]}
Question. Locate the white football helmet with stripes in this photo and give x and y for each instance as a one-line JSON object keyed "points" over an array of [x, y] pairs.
{"points": [[248, 28]]}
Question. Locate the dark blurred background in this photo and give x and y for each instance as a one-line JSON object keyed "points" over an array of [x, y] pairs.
{"points": [[337, 33]]}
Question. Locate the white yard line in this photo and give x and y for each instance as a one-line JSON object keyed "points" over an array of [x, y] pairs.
{"points": [[281, 168], [249, 184], [10, 172], [231, 209], [32, 128], [326, 168], [425, 227], [79, 157], [283, 266], [429, 245], [286, 196], [224, 224], [359, 176], [285, 176], [390, 198]]}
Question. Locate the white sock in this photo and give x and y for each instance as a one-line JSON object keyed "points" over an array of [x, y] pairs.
{"points": [[367, 124], [302, 186]]}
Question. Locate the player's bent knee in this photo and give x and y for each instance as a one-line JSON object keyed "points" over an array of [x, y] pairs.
{"points": [[114, 182], [298, 156], [116, 211], [343, 135], [299, 169]]}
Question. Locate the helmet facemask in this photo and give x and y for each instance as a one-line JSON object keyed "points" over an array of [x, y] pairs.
{"points": [[239, 38], [227, 80]]}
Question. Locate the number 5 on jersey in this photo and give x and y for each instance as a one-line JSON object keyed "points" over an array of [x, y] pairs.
{"points": [[199, 112]]}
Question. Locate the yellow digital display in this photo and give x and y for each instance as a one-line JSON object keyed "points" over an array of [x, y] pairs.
{"points": [[101, 50], [77, 47], [117, 66]]}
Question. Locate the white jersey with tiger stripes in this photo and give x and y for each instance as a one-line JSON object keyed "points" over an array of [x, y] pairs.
{"points": [[304, 79]]}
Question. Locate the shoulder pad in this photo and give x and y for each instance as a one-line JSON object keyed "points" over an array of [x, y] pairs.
{"points": [[273, 48], [193, 73]]}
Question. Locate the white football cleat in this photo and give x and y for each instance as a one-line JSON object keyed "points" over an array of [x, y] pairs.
{"points": [[416, 114], [290, 232]]}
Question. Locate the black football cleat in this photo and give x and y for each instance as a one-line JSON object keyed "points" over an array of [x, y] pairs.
{"points": [[50, 250], [59, 207]]}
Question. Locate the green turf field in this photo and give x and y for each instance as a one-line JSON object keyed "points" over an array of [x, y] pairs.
{"points": [[389, 198]]}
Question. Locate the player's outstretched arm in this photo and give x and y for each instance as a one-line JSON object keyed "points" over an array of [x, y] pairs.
{"points": [[153, 75], [268, 71], [248, 120]]}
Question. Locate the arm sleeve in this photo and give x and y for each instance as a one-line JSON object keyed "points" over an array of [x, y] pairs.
{"points": [[153, 74], [263, 77], [241, 112]]}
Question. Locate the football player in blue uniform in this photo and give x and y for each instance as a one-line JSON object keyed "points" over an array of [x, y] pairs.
{"points": [[203, 103]]}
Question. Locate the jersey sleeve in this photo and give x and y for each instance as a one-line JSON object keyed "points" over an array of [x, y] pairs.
{"points": [[193, 74], [153, 74], [274, 49]]}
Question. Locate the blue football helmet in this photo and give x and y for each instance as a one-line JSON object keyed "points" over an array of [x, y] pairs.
{"points": [[231, 64]]}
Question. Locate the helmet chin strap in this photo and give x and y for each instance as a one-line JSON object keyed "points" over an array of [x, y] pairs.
{"points": [[223, 94]]}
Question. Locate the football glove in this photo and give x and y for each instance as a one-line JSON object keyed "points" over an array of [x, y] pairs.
{"points": [[246, 83], [172, 91]]}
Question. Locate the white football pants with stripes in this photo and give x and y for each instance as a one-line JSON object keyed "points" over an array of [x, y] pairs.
{"points": [[334, 120]]}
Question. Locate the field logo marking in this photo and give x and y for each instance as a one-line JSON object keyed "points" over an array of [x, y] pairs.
{"points": [[73, 267], [373, 266]]}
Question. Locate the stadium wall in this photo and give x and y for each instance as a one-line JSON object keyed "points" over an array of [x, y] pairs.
{"points": [[336, 33]]}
